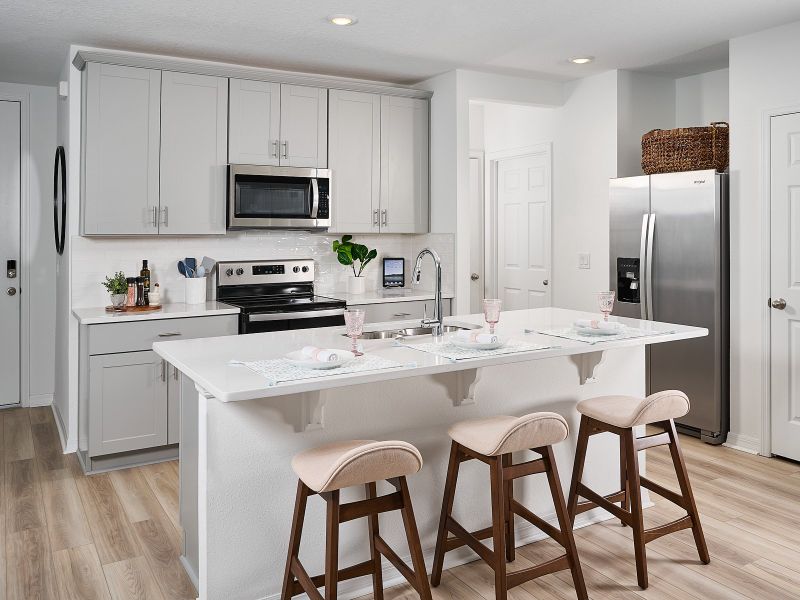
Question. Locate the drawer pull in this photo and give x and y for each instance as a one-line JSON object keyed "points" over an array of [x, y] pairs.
{"points": [[169, 334], [163, 371], [401, 315]]}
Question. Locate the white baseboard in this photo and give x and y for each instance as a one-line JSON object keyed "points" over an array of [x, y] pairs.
{"points": [[743, 443], [40, 400]]}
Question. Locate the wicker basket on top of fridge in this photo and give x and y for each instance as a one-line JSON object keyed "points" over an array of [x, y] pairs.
{"points": [[685, 149]]}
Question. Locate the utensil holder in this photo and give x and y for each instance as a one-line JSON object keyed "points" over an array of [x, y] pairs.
{"points": [[195, 290]]}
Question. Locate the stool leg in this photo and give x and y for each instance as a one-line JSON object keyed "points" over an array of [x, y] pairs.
{"points": [[377, 574], [686, 492], [332, 545], [563, 523], [498, 528], [447, 509], [294, 538], [577, 469], [412, 535], [637, 518], [509, 514], [623, 479]]}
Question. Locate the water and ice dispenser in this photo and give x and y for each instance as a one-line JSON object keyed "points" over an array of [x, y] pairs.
{"points": [[628, 280]]}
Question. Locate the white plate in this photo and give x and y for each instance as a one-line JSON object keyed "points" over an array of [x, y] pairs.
{"points": [[298, 359], [468, 345], [598, 331]]}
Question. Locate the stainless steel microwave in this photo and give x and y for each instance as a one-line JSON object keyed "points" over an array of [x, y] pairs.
{"points": [[261, 197]]}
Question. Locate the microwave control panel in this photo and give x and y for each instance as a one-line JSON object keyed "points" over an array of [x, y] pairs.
{"points": [[324, 210]]}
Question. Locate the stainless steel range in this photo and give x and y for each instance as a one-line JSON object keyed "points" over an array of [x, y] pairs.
{"points": [[276, 295]]}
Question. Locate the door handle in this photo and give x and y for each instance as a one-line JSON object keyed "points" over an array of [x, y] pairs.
{"points": [[546, 282], [285, 145], [275, 144], [383, 216], [375, 221], [651, 229], [779, 303], [155, 216], [166, 216], [474, 277], [169, 334], [11, 291], [163, 370]]}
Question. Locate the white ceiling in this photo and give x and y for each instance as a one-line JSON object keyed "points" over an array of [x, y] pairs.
{"points": [[393, 41]]}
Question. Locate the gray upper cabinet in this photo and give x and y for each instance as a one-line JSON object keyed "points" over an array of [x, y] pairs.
{"points": [[121, 121], [355, 158], [194, 137], [404, 165], [255, 122], [278, 124]]}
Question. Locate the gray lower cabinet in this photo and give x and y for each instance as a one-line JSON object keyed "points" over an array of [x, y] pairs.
{"points": [[386, 312]]}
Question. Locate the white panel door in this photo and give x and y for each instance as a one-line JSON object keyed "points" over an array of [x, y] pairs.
{"points": [[355, 158], [523, 231], [785, 284], [255, 119], [10, 166], [404, 165], [120, 193], [194, 148], [304, 126]]}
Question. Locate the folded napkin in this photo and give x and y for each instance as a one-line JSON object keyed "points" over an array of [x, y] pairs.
{"points": [[320, 354], [476, 336], [595, 324]]}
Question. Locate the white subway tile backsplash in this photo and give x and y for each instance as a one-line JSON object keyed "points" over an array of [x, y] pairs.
{"points": [[94, 258]]}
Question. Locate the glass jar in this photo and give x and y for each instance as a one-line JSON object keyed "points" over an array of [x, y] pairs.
{"points": [[131, 300]]}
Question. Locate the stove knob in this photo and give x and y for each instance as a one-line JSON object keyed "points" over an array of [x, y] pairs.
{"points": [[240, 271], [228, 272], [297, 269], [305, 269]]}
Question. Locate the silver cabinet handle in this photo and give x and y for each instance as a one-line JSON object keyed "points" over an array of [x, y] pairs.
{"points": [[375, 217], [398, 315], [779, 303], [474, 277], [163, 370], [165, 210], [275, 144], [11, 291], [383, 216], [169, 334], [155, 216], [285, 145], [306, 314], [175, 372]]}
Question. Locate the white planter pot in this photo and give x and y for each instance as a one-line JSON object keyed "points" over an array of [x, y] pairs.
{"points": [[195, 290], [356, 285]]}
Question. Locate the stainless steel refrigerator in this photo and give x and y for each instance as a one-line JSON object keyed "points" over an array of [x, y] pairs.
{"points": [[669, 262]]}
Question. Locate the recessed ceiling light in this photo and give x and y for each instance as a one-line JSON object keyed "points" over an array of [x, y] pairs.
{"points": [[342, 20], [581, 60]]}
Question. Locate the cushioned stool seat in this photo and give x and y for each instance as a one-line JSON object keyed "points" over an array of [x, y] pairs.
{"points": [[494, 436], [356, 462], [630, 411]]}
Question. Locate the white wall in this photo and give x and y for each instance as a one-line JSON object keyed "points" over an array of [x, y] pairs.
{"points": [[509, 126], [38, 261], [476, 126], [763, 76], [702, 99]]}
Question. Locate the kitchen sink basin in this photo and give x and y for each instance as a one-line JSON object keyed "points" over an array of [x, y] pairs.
{"points": [[387, 334]]}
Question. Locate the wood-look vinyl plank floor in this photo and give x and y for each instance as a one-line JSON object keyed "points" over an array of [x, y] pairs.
{"points": [[65, 536]]}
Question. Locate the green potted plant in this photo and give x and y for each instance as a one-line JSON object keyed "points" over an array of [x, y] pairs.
{"points": [[356, 256], [117, 286]]}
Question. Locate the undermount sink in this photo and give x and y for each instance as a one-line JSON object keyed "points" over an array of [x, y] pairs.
{"points": [[387, 334]]}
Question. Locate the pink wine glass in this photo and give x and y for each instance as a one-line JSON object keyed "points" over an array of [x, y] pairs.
{"points": [[354, 322], [491, 312], [606, 302]]}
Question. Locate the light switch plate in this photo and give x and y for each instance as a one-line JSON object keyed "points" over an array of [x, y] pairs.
{"points": [[584, 261]]}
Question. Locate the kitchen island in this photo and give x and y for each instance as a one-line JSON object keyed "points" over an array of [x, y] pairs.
{"points": [[238, 438]]}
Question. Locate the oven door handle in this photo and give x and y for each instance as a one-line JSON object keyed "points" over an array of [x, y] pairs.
{"points": [[315, 197], [306, 314]]}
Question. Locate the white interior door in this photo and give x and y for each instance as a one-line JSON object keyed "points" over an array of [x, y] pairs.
{"points": [[523, 231], [785, 284], [476, 234], [10, 251]]}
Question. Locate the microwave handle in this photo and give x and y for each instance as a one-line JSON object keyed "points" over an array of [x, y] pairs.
{"points": [[315, 197]]}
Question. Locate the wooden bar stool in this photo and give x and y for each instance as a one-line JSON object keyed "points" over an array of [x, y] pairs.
{"points": [[492, 441], [619, 415], [325, 471]]}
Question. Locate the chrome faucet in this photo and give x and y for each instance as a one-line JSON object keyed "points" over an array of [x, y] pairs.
{"points": [[435, 323]]}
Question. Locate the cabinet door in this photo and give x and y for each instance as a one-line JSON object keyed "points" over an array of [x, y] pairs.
{"points": [[255, 118], [404, 165], [127, 402], [355, 159], [173, 405], [121, 114], [304, 126], [194, 145]]}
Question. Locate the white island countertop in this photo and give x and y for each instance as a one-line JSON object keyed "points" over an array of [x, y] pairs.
{"points": [[211, 362], [177, 310]]}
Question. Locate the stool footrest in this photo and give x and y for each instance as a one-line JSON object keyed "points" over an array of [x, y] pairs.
{"points": [[470, 540], [605, 501], [359, 570], [370, 506], [673, 497], [651, 441], [671, 527], [390, 555], [551, 566], [537, 522], [304, 583], [452, 543]]}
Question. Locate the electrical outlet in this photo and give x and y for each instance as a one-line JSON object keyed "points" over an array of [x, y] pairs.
{"points": [[584, 261]]}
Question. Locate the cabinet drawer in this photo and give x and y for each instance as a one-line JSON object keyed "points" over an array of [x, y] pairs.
{"points": [[132, 336], [386, 312]]}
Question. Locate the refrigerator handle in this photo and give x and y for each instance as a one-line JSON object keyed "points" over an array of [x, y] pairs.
{"points": [[642, 265], [650, 235]]}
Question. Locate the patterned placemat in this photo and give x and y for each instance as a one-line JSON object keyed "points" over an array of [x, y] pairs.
{"points": [[452, 352], [570, 333], [280, 370]]}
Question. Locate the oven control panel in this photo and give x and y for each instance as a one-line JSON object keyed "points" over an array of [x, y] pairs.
{"points": [[265, 271]]}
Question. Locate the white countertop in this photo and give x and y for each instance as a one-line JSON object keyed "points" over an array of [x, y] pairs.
{"points": [[207, 361], [382, 295], [178, 310]]}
